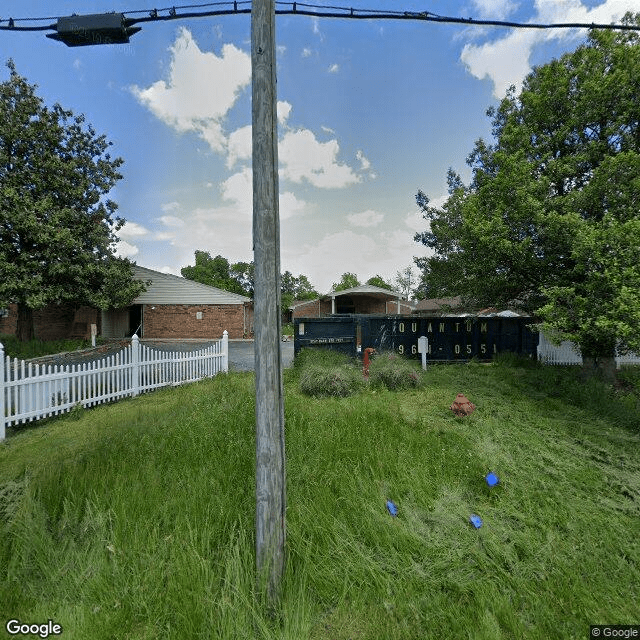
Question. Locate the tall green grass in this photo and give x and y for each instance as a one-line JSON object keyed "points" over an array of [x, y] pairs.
{"points": [[136, 520], [37, 348]]}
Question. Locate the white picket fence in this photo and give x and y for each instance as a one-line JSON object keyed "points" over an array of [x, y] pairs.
{"points": [[568, 353], [32, 392]]}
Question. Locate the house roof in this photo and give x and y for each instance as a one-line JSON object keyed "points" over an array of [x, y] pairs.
{"points": [[437, 304], [166, 288], [365, 289]]}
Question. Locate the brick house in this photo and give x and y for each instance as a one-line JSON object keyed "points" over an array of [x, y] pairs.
{"points": [[174, 307], [363, 299], [171, 307], [52, 322]]}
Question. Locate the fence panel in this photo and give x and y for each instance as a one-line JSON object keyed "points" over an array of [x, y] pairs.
{"points": [[32, 392]]}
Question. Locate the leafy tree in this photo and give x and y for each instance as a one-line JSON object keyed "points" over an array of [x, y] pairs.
{"points": [[296, 288], [405, 281], [244, 274], [215, 272], [57, 230], [378, 281], [551, 218], [347, 281]]}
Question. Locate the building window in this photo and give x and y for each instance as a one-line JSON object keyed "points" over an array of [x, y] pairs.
{"points": [[198, 315]]}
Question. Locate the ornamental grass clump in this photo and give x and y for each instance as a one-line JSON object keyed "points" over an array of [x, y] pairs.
{"points": [[393, 372], [341, 381]]}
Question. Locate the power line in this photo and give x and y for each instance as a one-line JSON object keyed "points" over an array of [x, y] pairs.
{"points": [[312, 10]]}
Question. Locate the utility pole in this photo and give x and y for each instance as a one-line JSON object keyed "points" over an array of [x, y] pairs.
{"points": [[270, 454]]}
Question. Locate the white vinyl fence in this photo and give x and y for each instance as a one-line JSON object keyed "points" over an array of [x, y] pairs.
{"points": [[568, 353], [32, 392]]}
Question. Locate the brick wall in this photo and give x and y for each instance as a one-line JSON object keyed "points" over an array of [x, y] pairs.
{"points": [[55, 322], [9, 324], [312, 309], [193, 321], [361, 304], [392, 308]]}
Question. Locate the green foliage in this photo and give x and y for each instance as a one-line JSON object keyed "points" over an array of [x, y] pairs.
{"points": [[394, 372], [57, 227], [35, 348], [104, 529], [324, 382], [239, 278], [326, 373], [217, 272], [347, 281], [295, 288], [550, 220], [378, 281], [406, 282]]}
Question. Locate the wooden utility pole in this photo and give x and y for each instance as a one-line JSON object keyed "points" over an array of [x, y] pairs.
{"points": [[270, 455]]}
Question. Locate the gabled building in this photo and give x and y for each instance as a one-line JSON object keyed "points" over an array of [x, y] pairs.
{"points": [[174, 307], [363, 299]]}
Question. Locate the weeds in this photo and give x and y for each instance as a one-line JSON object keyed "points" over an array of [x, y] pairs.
{"points": [[393, 372]]}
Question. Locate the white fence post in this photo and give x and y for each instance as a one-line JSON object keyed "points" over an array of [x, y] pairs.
{"points": [[225, 351], [135, 364], [3, 419]]}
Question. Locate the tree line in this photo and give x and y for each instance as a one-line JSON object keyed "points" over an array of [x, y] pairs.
{"points": [[238, 278], [550, 221]]}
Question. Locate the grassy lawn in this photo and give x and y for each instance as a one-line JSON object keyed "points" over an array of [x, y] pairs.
{"points": [[36, 348], [136, 520]]}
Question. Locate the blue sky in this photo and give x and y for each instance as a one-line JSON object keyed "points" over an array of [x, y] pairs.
{"points": [[369, 112]]}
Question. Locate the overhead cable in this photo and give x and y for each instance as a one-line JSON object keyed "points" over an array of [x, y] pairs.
{"points": [[210, 9]]}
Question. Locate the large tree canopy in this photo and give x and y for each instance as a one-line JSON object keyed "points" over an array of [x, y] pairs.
{"points": [[217, 272], [57, 231], [551, 218]]}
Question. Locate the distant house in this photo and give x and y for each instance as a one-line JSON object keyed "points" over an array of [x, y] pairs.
{"points": [[174, 307], [363, 299], [171, 307], [438, 306]]}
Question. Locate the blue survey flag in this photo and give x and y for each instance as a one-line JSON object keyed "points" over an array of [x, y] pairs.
{"points": [[475, 520], [492, 479], [393, 510]]}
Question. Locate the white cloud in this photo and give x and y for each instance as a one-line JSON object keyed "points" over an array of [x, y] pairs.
{"points": [[283, 109], [171, 221], [364, 163], [185, 101], [303, 157], [306, 52], [367, 218], [165, 269], [125, 250], [170, 206], [132, 230], [506, 61], [334, 68], [238, 190], [289, 205], [494, 9], [239, 146], [365, 253]]}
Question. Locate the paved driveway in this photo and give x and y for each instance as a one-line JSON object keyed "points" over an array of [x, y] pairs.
{"points": [[241, 355]]}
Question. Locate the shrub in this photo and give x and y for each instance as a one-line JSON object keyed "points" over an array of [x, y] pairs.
{"points": [[320, 381], [393, 372]]}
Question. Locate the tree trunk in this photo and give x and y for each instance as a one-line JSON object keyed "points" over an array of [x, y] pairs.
{"points": [[603, 366], [24, 330]]}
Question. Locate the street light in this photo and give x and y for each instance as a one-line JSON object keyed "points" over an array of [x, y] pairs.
{"points": [[98, 28]]}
